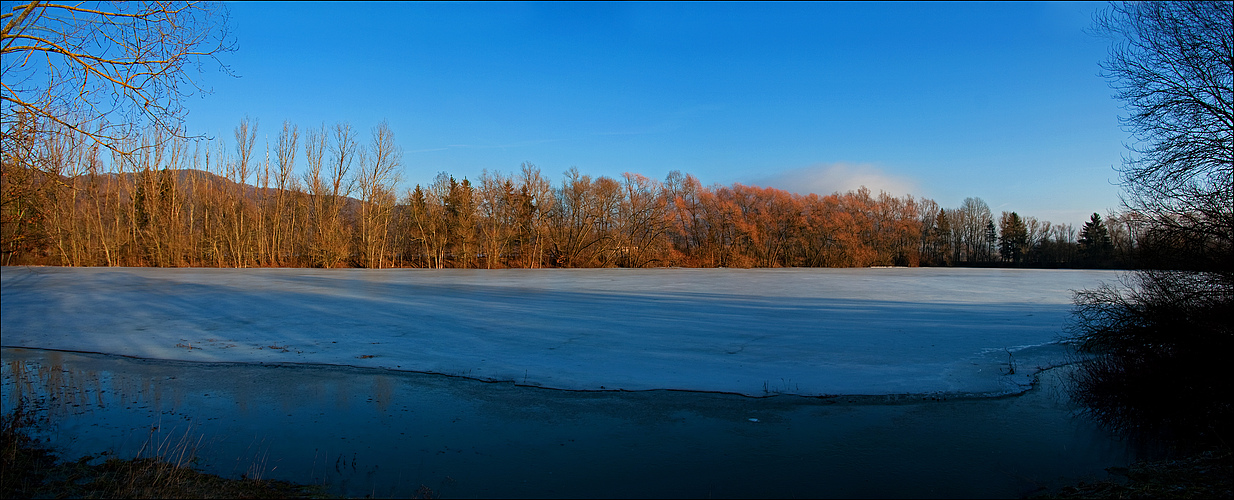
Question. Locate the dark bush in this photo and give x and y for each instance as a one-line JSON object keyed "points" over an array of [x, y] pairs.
{"points": [[1160, 347]]}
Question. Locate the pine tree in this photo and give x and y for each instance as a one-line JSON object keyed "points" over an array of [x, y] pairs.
{"points": [[1013, 241], [991, 239], [942, 238], [1095, 242]]}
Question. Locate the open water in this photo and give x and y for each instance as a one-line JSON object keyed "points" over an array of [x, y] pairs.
{"points": [[364, 431]]}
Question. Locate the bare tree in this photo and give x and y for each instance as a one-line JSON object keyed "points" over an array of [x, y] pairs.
{"points": [[537, 205], [685, 207], [335, 229], [238, 171], [583, 215], [107, 69], [498, 218], [970, 225], [319, 246], [1173, 66], [433, 218], [21, 181], [376, 180], [284, 184], [644, 221], [1160, 340]]}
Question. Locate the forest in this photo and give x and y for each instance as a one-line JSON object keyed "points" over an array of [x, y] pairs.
{"points": [[169, 201]]}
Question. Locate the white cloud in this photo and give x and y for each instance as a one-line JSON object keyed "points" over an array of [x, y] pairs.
{"points": [[824, 179]]}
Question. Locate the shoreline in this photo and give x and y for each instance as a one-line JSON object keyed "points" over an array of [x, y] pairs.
{"points": [[303, 421], [895, 398]]}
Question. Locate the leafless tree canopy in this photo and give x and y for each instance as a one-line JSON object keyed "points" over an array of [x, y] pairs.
{"points": [[1160, 340], [1172, 65], [107, 69], [178, 202], [97, 171]]}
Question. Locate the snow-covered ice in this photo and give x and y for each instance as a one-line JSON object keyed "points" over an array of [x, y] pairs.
{"points": [[753, 332]]}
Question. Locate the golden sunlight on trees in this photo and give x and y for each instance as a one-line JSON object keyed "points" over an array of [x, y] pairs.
{"points": [[177, 202], [82, 76], [497, 204], [375, 180], [106, 70], [97, 171]]}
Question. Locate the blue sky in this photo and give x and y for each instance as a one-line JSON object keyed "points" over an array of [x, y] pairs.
{"points": [[1000, 101]]}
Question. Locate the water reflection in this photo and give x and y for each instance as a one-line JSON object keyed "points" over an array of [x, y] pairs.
{"points": [[374, 432]]}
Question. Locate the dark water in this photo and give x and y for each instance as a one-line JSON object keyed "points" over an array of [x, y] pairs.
{"points": [[383, 433]]}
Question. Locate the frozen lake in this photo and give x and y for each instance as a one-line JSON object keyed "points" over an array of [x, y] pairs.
{"points": [[753, 332], [333, 377]]}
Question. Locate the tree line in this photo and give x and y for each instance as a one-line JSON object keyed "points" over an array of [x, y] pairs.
{"points": [[165, 199], [178, 202]]}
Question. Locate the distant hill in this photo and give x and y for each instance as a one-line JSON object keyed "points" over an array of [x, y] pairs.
{"points": [[186, 178]]}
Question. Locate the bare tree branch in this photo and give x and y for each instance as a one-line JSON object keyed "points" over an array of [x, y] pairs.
{"points": [[1173, 67], [112, 69]]}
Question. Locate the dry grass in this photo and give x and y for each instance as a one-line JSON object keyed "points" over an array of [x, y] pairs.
{"points": [[1205, 475], [33, 471], [30, 470]]}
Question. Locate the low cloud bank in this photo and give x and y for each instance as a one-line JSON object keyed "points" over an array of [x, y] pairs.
{"points": [[824, 179]]}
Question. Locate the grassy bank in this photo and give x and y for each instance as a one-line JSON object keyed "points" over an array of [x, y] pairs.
{"points": [[34, 471], [1203, 475]]}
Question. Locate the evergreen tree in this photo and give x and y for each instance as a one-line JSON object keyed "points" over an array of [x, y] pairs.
{"points": [[461, 214], [1095, 242], [991, 239], [942, 238], [1013, 242]]}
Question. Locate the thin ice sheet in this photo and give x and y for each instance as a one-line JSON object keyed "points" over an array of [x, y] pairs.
{"points": [[754, 332]]}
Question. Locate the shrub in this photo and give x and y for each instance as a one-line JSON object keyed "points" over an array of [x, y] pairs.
{"points": [[1160, 345]]}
